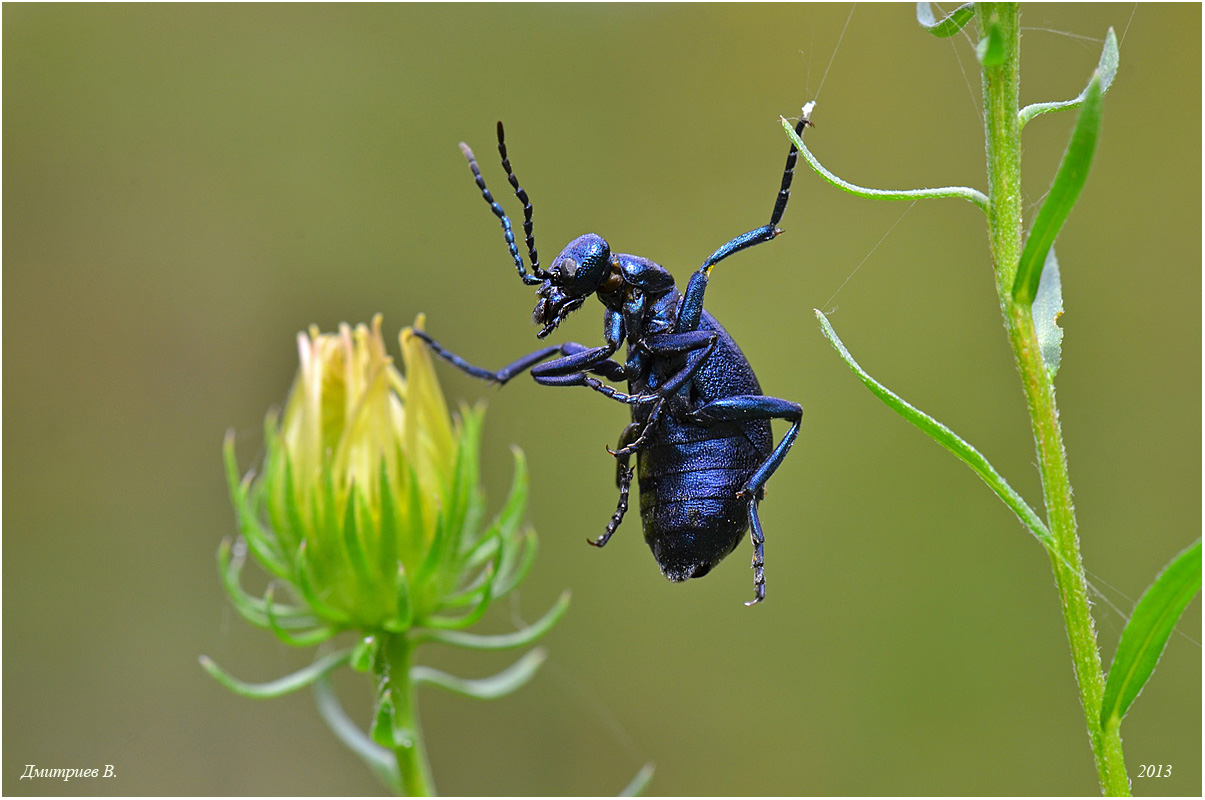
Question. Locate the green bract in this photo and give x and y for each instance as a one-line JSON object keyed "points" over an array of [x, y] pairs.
{"points": [[368, 515]]}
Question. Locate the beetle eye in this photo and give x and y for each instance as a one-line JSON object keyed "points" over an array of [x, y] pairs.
{"points": [[568, 267]]}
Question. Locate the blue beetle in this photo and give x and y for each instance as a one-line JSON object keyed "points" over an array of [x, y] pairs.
{"points": [[700, 426]]}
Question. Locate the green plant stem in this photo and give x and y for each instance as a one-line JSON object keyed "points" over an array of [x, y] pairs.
{"points": [[1001, 91], [411, 753]]}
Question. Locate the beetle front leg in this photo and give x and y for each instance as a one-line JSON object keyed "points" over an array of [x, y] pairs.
{"points": [[750, 407], [574, 357]]}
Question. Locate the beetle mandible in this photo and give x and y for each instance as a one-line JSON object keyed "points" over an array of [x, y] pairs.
{"points": [[700, 426]]}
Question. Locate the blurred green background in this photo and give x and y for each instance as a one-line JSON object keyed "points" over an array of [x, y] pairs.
{"points": [[186, 187]]}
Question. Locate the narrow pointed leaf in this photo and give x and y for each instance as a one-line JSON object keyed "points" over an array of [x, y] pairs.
{"points": [[485, 548], [414, 519], [309, 638], [382, 720], [470, 593], [1068, 181], [1107, 67], [322, 552], [477, 612], [511, 515], [282, 686], [948, 25], [464, 485], [308, 592], [990, 49], [379, 760], [945, 437], [1145, 635], [430, 566], [363, 654], [253, 609], [965, 192], [509, 575], [387, 556], [504, 641], [403, 609], [500, 685], [271, 486], [262, 542], [639, 783], [504, 526], [292, 513], [1047, 308], [353, 544]]}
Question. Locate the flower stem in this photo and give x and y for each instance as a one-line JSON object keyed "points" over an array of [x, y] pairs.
{"points": [[410, 751], [1001, 91]]}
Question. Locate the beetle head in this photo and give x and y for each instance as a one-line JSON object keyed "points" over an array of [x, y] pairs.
{"points": [[575, 274]]}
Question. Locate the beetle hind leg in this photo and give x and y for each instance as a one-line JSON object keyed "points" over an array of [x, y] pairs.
{"points": [[740, 408], [759, 554]]}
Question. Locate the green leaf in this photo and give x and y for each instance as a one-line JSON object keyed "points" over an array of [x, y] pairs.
{"points": [[486, 596], [308, 593], [966, 193], [428, 571], [231, 557], [291, 512], [950, 24], [639, 783], [306, 637], [282, 686], [500, 685], [1107, 67], [946, 438], [364, 653], [509, 575], [378, 759], [1145, 636], [466, 469], [403, 609], [353, 546], [519, 638], [387, 556], [1047, 308], [261, 540], [382, 718], [990, 49], [511, 515], [316, 635], [387, 728], [1068, 182]]}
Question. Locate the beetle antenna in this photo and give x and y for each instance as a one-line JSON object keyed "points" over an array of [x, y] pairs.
{"points": [[784, 192], [500, 214], [522, 195]]}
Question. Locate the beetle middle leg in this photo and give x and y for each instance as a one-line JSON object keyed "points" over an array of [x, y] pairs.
{"points": [[623, 479], [749, 407], [697, 346]]}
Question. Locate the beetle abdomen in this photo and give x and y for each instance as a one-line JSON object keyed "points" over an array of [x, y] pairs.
{"points": [[688, 503]]}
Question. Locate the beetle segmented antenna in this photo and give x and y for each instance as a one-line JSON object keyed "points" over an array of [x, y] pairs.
{"points": [[784, 193], [531, 280], [522, 195]]}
